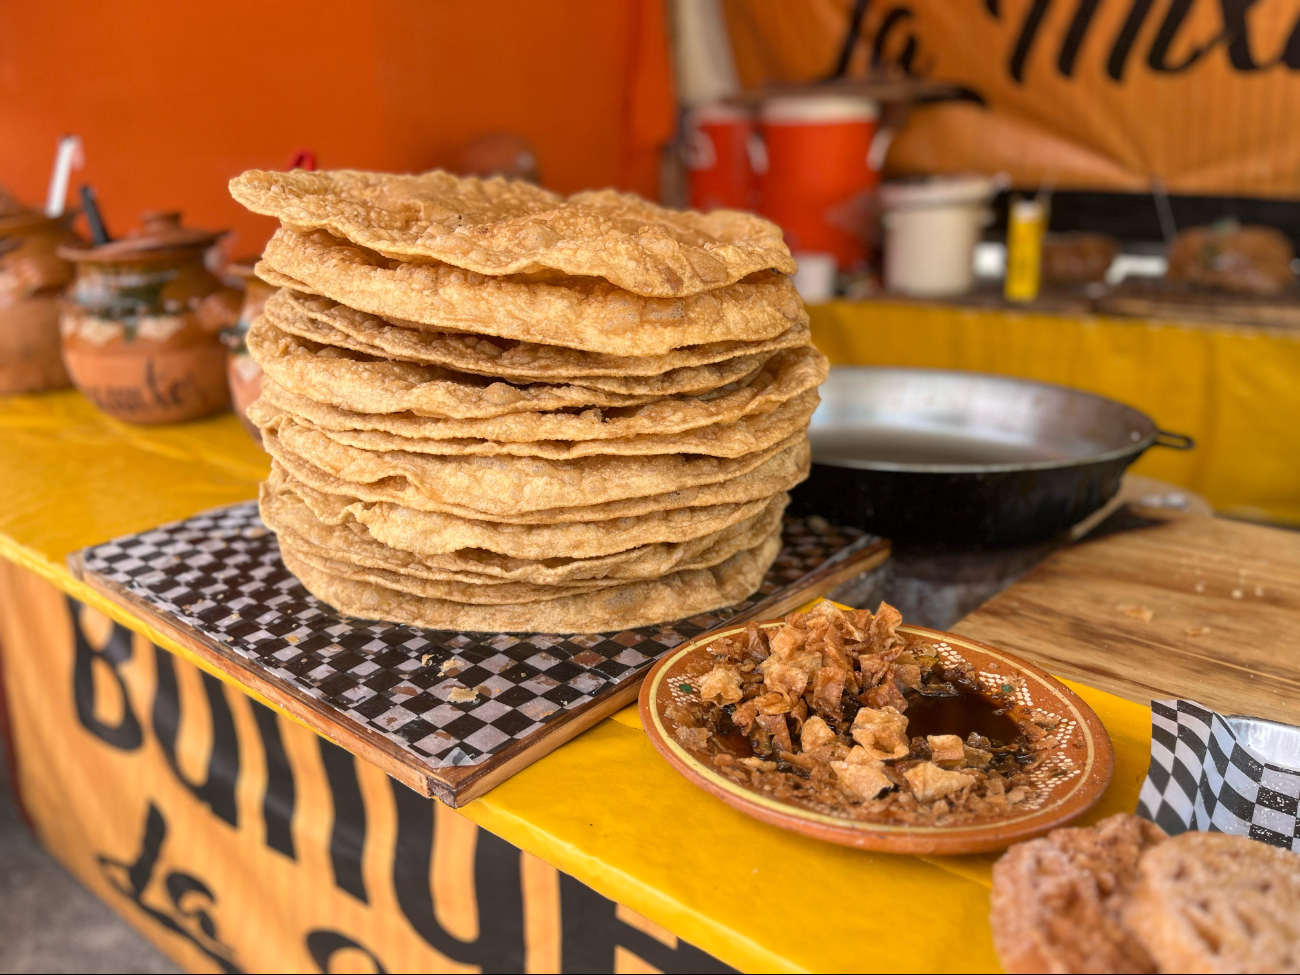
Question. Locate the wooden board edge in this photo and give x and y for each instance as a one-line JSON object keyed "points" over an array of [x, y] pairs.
{"points": [[372, 747], [1228, 314], [469, 782]]}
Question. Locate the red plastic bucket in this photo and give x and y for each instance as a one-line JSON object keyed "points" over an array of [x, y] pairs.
{"points": [[819, 181], [718, 146]]}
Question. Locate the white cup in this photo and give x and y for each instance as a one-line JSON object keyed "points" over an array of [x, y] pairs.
{"points": [[815, 278]]}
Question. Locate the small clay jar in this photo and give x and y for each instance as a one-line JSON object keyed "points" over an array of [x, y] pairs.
{"points": [[141, 329], [243, 374], [32, 276]]}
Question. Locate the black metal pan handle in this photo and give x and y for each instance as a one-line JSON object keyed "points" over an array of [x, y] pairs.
{"points": [[1174, 441]]}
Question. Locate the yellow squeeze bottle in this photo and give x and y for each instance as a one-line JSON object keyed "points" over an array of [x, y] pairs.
{"points": [[1026, 223]]}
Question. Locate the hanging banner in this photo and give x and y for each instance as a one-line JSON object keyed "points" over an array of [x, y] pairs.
{"points": [[1078, 94], [239, 841]]}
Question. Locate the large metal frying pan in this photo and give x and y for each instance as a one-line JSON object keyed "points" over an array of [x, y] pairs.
{"points": [[963, 459]]}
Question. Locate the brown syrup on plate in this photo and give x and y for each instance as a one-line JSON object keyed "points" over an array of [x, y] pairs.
{"points": [[959, 713]]}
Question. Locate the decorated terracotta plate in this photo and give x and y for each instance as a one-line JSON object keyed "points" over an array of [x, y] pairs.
{"points": [[1070, 766]]}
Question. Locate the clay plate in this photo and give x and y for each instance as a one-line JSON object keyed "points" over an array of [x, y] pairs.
{"points": [[1083, 753]]}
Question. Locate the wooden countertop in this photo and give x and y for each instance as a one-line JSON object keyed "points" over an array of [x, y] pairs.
{"points": [[1151, 607], [1143, 299]]}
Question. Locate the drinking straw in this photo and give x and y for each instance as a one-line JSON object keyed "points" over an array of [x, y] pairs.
{"points": [[68, 156], [90, 203]]}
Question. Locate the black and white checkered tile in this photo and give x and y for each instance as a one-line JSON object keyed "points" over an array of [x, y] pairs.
{"points": [[1203, 778], [221, 573]]}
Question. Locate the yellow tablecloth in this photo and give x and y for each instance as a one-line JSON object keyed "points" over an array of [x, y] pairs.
{"points": [[1235, 389], [604, 808]]}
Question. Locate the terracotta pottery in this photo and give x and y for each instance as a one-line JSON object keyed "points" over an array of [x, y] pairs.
{"points": [[1068, 782], [31, 277], [243, 374], [141, 331]]}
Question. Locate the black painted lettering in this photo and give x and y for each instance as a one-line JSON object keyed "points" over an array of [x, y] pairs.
{"points": [[591, 930], [324, 944], [500, 943], [126, 734], [281, 793], [190, 897], [1290, 55], [1074, 36], [1025, 41], [1237, 33], [1128, 32], [1158, 56], [179, 887], [850, 38], [348, 832], [894, 20], [217, 790]]}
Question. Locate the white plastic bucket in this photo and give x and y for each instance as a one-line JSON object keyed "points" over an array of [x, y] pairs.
{"points": [[815, 277], [931, 229]]}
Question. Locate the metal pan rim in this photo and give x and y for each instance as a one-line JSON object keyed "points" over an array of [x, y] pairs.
{"points": [[1137, 447]]}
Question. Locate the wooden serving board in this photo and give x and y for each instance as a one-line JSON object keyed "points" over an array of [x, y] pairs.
{"points": [[1223, 599], [1151, 300], [215, 584], [1144, 299]]}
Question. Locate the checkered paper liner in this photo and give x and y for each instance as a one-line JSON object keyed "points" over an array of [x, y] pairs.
{"points": [[1203, 778], [220, 573]]}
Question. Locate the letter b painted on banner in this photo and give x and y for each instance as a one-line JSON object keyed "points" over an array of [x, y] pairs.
{"points": [[110, 649]]}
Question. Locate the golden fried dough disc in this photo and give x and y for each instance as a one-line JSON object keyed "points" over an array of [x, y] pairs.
{"points": [[424, 533], [365, 384], [1214, 902], [326, 323], [776, 470], [500, 486], [485, 593], [402, 432], [555, 436], [358, 384], [499, 226], [761, 308], [675, 596], [576, 313], [284, 512], [512, 359]]}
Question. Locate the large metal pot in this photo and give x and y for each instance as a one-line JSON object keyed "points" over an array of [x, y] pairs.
{"points": [[962, 459]]}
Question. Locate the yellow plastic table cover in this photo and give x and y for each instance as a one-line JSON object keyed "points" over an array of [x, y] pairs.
{"points": [[603, 808]]}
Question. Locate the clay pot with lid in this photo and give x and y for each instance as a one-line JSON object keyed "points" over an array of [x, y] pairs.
{"points": [[242, 372], [32, 275], [141, 329]]}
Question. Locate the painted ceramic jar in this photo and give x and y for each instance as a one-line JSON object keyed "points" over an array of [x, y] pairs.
{"points": [[243, 374], [141, 327], [32, 277]]}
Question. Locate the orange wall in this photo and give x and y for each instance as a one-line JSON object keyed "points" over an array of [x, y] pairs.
{"points": [[174, 97]]}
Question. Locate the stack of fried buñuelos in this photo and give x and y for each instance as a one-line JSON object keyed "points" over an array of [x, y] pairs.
{"points": [[492, 408]]}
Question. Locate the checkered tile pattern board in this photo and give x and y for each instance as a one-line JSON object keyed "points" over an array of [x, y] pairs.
{"points": [[221, 574], [1201, 777]]}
